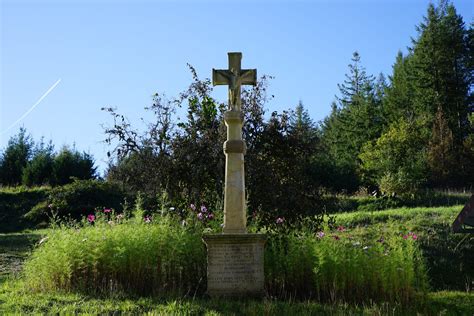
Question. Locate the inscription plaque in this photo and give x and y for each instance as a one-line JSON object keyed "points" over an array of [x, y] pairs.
{"points": [[235, 264]]}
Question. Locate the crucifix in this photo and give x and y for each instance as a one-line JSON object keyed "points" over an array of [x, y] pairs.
{"points": [[235, 219], [235, 258]]}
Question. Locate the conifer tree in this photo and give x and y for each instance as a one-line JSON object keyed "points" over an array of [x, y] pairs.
{"points": [[38, 171], [355, 119], [15, 158]]}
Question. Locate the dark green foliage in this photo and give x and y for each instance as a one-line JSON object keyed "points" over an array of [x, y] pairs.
{"points": [[39, 169], [429, 88], [441, 153], [15, 158], [397, 160], [432, 84], [23, 163], [284, 178], [442, 74], [69, 164], [399, 94], [77, 199], [14, 203], [185, 162], [448, 257], [355, 119]]}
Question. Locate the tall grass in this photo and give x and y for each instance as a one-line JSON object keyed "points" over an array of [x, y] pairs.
{"points": [[133, 257], [164, 258], [360, 265]]}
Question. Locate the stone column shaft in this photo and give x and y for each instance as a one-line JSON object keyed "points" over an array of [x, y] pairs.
{"points": [[235, 219]]}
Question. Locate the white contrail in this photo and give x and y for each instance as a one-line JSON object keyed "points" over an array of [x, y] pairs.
{"points": [[34, 105]]}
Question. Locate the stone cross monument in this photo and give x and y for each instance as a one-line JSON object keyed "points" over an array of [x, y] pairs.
{"points": [[235, 219], [234, 258]]}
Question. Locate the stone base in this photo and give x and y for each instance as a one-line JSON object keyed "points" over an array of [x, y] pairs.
{"points": [[235, 265]]}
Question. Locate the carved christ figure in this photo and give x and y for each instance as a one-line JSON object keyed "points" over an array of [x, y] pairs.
{"points": [[234, 77]]}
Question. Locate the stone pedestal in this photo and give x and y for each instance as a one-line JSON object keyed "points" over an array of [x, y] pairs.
{"points": [[235, 265]]}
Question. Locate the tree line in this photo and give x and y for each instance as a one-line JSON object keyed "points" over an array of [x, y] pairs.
{"points": [[416, 130], [24, 162]]}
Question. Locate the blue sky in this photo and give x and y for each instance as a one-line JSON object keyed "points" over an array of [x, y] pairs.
{"points": [[119, 53]]}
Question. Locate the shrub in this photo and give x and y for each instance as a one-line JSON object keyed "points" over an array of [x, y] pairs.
{"points": [[70, 163], [77, 199], [15, 202]]}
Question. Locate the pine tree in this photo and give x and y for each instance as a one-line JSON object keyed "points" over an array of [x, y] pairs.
{"points": [[399, 97], [355, 119], [38, 171], [15, 158], [431, 84], [442, 70]]}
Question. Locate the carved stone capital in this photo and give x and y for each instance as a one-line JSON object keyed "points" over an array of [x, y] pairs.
{"points": [[235, 146]]}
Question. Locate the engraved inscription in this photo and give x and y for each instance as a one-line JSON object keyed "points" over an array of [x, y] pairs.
{"points": [[235, 266]]}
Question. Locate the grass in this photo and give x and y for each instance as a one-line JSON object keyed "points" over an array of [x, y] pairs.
{"points": [[14, 299], [166, 259], [416, 215], [14, 249], [356, 265], [427, 198], [129, 256], [448, 256], [15, 296]]}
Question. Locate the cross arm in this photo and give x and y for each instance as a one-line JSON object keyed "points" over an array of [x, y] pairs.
{"points": [[226, 77], [221, 77], [248, 76]]}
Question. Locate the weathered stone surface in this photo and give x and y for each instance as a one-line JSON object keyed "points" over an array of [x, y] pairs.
{"points": [[235, 265], [234, 258], [234, 146]]}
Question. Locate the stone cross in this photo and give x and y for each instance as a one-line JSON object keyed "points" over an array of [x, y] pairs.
{"points": [[234, 77], [235, 258], [235, 219]]}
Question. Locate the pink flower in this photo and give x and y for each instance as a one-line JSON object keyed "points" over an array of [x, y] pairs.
{"points": [[341, 229], [414, 236], [280, 220], [210, 216], [203, 209], [336, 237], [320, 234], [193, 207], [200, 216], [405, 236], [147, 219], [107, 210], [91, 218]]}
